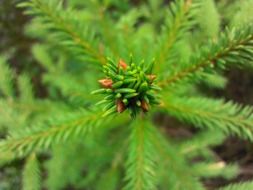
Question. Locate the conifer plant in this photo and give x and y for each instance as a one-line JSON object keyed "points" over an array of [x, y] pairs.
{"points": [[111, 69]]}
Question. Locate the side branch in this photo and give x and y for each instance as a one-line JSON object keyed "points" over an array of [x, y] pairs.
{"points": [[68, 30], [179, 21], [228, 117], [234, 48], [70, 126]]}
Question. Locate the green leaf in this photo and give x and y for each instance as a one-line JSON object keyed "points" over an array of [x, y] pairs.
{"points": [[241, 186], [69, 126], [140, 172], [209, 19], [25, 88], [229, 117], [173, 166], [233, 47], [179, 20], [6, 77], [68, 30], [31, 174]]}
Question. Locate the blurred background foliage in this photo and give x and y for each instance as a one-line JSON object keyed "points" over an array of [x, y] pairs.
{"points": [[18, 39]]}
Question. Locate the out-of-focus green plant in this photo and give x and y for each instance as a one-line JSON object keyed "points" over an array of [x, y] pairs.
{"points": [[147, 60]]}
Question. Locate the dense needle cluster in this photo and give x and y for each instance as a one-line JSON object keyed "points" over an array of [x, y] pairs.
{"points": [[128, 86]]}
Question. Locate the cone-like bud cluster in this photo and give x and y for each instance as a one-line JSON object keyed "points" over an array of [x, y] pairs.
{"points": [[128, 86]]}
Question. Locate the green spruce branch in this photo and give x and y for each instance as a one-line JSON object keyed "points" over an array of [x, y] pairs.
{"points": [[31, 174], [140, 172], [229, 117], [153, 160], [233, 47], [69, 127], [179, 20], [6, 76], [80, 39], [173, 166], [241, 186]]}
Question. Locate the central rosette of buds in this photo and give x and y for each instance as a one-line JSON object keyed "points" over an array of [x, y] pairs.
{"points": [[127, 86]]}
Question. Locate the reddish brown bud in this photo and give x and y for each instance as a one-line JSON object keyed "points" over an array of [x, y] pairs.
{"points": [[151, 78], [106, 83], [122, 64], [120, 106], [144, 106]]}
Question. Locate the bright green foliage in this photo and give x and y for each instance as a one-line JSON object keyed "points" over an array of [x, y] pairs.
{"points": [[6, 86], [227, 116], [158, 55], [75, 124], [179, 19], [242, 186], [25, 88], [209, 27], [69, 31], [243, 14], [212, 80], [31, 174], [233, 47], [173, 166], [140, 163]]}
